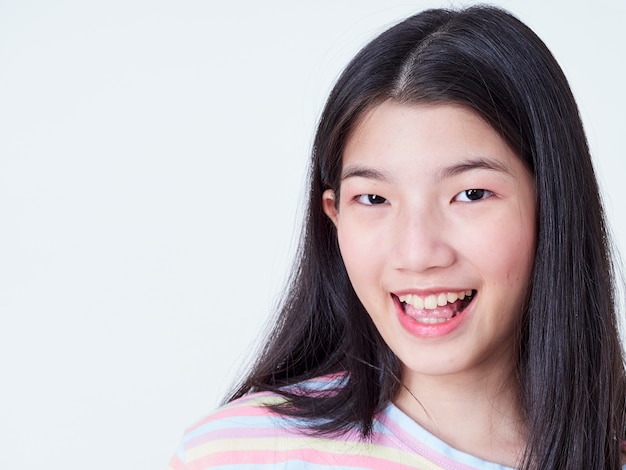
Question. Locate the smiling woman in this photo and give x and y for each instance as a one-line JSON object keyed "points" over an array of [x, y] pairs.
{"points": [[452, 303], [439, 267]]}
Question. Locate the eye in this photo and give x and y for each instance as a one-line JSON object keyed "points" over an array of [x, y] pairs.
{"points": [[371, 199], [471, 195]]}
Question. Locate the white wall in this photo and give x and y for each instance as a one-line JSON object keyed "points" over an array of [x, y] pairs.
{"points": [[152, 164]]}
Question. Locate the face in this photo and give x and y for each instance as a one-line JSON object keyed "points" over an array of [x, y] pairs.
{"points": [[436, 225]]}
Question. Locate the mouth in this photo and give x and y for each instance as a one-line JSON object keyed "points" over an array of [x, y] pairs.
{"points": [[435, 308]]}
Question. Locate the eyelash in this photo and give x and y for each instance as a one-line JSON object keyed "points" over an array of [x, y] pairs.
{"points": [[468, 194], [371, 199]]}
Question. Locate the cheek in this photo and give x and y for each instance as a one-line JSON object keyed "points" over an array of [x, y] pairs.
{"points": [[360, 243], [352, 249], [522, 253], [363, 254], [506, 254]]}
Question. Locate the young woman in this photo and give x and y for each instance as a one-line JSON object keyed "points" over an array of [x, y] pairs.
{"points": [[452, 306]]}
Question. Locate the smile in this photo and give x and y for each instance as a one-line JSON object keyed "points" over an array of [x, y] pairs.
{"points": [[431, 302], [435, 308]]}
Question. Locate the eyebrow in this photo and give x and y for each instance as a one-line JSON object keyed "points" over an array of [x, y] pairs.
{"points": [[364, 172], [478, 163]]}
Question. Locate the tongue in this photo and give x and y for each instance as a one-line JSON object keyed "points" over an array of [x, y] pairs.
{"points": [[447, 311]]}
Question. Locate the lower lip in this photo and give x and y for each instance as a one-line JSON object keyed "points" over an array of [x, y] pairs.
{"points": [[430, 330]]}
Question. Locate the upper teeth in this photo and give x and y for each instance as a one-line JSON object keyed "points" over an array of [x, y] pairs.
{"points": [[433, 301]]}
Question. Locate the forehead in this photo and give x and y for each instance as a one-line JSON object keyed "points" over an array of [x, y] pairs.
{"points": [[424, 138]]}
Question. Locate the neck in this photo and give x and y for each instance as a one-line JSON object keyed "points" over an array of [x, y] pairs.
{"points": [[477, 414]]}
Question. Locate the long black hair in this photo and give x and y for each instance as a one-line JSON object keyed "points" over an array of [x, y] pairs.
{"points": [[570, 365]]}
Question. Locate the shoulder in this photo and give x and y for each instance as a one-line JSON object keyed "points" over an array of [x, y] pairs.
{"points": [[239, 417], [232, 430], [253, 412], [246, 433]]}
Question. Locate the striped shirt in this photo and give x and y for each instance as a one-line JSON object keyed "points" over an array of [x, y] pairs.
{"points": [[245, 434]]}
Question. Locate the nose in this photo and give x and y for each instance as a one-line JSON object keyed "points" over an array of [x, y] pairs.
{"points": [[420, 241]]}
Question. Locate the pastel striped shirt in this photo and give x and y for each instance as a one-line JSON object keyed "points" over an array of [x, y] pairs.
{"points": [[245, 434]]}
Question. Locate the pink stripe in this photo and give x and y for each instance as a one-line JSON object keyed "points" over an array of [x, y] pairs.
{"points": [[288, 433], [265, 433], [306, 455], [238, 408]]}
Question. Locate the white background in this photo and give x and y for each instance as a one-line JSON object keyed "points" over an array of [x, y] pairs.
{"points": [[152, 167]]}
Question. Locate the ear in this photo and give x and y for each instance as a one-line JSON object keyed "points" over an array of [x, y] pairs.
{"points": [[328, 203]]}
